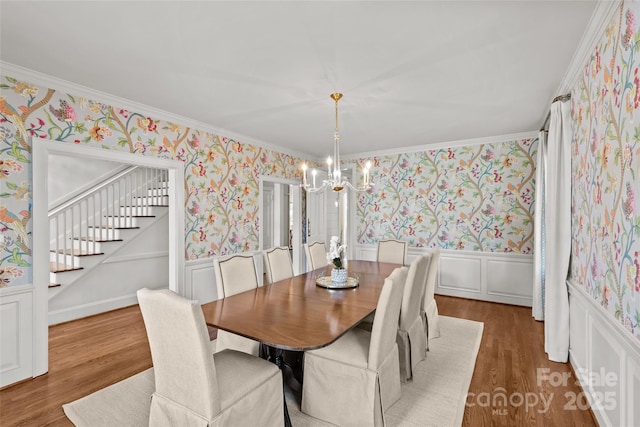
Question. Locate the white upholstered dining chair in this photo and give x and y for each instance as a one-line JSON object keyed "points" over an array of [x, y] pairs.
{"points": [[277, 262], [194, 387], [411, 338], [234, 274], [316, 255], [429, 308], [354, 380], [394, 251]]}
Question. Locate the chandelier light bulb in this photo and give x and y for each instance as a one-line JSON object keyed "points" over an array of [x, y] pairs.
{"points": [[304, 174]]}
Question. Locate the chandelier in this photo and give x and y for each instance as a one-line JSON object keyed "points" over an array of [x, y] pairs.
{"points": [[334, 179]]}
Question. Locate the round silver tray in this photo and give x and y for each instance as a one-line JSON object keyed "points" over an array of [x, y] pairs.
{"points": [[325, 282]]}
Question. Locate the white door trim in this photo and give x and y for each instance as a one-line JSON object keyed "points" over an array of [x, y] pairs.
{"points": [[41, 150], [297, 227], [351, 226]]}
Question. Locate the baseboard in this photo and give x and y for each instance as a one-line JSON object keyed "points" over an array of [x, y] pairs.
{"points": [[96, 307], [607, 357], [488, 276]]}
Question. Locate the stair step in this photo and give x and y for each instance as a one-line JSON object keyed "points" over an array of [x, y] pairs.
{"points": [[150, 205], [129, 216], [156, 200], [54, 267], [108, 233], [157, 191], [77, 252], [123, 221], [114, 228], [141, 211], [90, 239]]}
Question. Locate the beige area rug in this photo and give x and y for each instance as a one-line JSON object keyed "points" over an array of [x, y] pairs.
{"points": [[436, 396]]}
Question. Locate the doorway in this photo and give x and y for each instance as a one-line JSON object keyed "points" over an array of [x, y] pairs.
{"points": [[281, 217], [331, 213], [41, 152]]}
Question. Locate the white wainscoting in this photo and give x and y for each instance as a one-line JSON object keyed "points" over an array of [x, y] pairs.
{"points": [[604, 352], [110, 285], [488, 276], [200, 279], [16, 333]]}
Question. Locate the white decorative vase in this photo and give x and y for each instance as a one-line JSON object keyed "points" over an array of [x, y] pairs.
{"points": [[339, 275]]}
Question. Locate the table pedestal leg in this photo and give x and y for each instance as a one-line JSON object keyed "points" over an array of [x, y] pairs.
{"points": [[276, 355]]}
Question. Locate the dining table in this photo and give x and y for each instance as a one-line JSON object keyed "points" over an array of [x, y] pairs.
{"points": [[301, 313], [297, 313]]}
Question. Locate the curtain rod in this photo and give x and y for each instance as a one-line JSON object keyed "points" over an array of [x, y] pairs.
{"points": [[561, 98]]}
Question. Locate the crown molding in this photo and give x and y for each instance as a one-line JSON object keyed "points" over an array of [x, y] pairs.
{"points": [[36, 77], [441, 145], [602, 15], [56, 83]]}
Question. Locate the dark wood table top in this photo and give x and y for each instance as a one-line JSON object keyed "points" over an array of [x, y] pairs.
{"points": [[296, 314]]}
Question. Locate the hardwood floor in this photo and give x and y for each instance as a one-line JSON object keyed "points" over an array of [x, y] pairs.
{"points": [[89, 354], [84, 356], [512, 363]]}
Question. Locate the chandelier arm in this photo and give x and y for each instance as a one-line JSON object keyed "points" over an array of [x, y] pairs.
{"points": [[354, 188], [310, 189], [331, 184]]}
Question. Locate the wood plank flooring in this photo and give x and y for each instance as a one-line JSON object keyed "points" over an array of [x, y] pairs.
{"points": [[89, 354], [512, 364]]}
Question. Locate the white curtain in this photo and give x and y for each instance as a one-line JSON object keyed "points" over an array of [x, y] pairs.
{"points": [[538, 242], [557, 224]]}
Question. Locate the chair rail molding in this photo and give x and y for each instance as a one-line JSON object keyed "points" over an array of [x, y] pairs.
{"points": [[475, 275], [488, 276]]}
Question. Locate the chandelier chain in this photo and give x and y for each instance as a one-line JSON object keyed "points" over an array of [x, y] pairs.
{"points": [[335, 181]]}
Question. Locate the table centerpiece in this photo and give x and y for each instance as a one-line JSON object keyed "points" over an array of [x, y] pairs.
{"points": [[339, 274]]}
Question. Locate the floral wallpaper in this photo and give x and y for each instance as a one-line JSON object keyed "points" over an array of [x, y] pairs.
{"points": [[221, 174], [606, 163], [477, 198]]}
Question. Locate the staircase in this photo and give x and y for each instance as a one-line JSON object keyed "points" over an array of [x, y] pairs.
{"points": [[89, 228]]}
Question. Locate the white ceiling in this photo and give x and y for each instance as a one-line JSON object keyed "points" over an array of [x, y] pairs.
{"points": [[412, 73]]}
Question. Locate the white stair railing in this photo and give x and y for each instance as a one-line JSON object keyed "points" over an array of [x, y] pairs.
{"points": [[96, 214]]}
